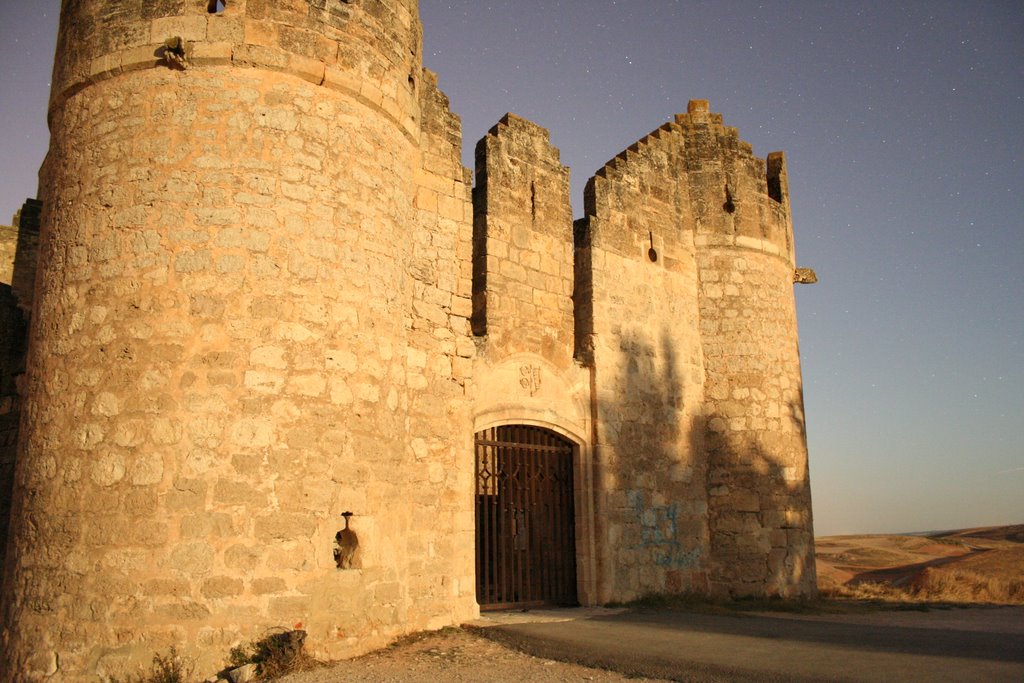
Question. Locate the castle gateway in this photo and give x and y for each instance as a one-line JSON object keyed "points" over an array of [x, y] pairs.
{"points": [[270, 294]]}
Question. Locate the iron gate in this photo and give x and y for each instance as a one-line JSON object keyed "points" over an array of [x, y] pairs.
{"points": [[525, 522]]}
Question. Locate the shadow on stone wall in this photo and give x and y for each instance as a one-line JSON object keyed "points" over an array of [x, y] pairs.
{"points": [[760, 526], [698, 509], [13, 333], [15, 305], [658, 532]]}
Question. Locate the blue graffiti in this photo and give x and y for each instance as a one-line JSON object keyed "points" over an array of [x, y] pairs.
{"points": [[659, 533]]}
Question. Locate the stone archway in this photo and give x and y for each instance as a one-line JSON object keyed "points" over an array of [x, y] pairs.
{"points": [[525, 517]]}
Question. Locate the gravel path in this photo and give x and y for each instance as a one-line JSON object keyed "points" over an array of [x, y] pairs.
{"points": [[454, 655]]}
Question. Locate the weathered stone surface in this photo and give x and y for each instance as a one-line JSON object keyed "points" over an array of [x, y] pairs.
{"points": [[243, 674], [271, 295]]}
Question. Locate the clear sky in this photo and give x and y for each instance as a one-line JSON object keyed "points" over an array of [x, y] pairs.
{"points": [[903, 125]]}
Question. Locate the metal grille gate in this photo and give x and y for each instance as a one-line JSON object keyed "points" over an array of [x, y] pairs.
{"points": [[525, 522]]}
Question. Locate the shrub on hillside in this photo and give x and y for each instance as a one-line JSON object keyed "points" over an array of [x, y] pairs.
{"points": [[959, 585]]}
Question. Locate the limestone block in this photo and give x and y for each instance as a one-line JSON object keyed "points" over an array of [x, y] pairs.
{"points": [[221, 587], [188, 28], [306, 385], [192, 559], [242, 557], [243, 674], [232, 493], [205, 525], [284, 526], [268, 585], [108, 470], [166, 587], [252, 433]]}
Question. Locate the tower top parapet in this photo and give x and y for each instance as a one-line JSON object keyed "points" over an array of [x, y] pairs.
{"points": [[370, 49], [737, 198]]}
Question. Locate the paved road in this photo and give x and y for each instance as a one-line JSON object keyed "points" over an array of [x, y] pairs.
{"points": [[977, 644]]}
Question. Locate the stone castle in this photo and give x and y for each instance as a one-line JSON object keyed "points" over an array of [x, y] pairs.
{"points": [[268, 293]]}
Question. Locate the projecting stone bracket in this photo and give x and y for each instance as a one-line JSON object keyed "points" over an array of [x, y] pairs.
{"points": [[804, 276], [174, 51]]}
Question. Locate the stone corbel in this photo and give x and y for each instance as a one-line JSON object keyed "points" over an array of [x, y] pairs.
{"points": [[804, 276]]}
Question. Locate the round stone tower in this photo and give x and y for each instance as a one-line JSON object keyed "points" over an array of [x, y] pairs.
{"points": [[759, 504], [218, 352]]}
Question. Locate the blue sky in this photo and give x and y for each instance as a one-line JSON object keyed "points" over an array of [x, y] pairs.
{"points": [[902, 125]]}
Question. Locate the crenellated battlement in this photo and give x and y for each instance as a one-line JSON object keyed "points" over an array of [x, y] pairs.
{"points": [[522, 241], [737, 198]]}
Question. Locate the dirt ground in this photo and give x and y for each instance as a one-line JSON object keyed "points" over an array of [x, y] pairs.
{"points": [[466, 655], [977, 643], [454, 655]]}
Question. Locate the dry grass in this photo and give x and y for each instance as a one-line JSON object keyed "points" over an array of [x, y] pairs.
{"points": [[947, 586], [169, 668], [986, 570], [275, 655], [968, 567], [962, 585]]}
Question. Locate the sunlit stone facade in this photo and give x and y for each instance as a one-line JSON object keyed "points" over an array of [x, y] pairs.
{"points": [[269, 293]]}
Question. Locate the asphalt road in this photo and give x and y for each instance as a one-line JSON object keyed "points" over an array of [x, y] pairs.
{"points": [[976, 644]]}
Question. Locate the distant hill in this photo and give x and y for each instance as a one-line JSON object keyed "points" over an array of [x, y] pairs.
{"points": [[1013, 533], [980, 565]]}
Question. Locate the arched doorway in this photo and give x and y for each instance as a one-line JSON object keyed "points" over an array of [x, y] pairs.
{"points": [[525, 518]]}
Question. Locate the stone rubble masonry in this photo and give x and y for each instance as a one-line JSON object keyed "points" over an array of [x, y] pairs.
{"points": [[19, 252], [269, 293], [638, 325], [19, 245], [523, 244], [12, 335]]}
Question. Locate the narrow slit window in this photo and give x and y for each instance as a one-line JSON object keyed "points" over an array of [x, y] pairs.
{"points": [[776, 168], [216, 6]]}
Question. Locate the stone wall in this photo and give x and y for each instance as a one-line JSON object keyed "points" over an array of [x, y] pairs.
{"points": [[637, 286], [18, 254], [370, 49], [12, 357], [269, 296], [523, 309], [523, 244], [439, 542], [683, 323], [758, 486], [232, 345], [8, 249]]}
